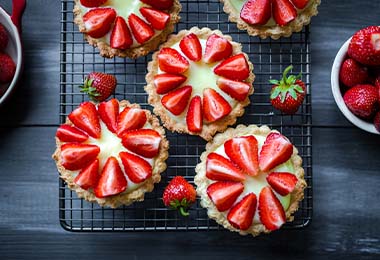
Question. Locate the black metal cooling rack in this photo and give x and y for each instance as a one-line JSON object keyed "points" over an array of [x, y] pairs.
{"points": [[270, 58]]}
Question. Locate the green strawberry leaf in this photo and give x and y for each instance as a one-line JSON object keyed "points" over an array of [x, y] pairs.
{"points": [[293, 94]]}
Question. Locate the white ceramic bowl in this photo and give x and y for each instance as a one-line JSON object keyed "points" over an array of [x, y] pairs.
{"points": [[335, 87]]}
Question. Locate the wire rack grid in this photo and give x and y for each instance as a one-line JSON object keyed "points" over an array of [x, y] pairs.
{"points": [[269, 57]]}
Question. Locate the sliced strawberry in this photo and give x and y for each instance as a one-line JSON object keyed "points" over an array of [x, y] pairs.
{"points": [[241, 215], [219, 168], [235, 67], [276, 150], [282, 182], [157, 19], [300, 4], [194, 117], [191, 47], [176, 101], [67, 133], [236, 89], [85, 117], [283, 12], [112, 180], [171, 61], [136, 168], [224, 193], [159, 4], [76, 156], [89, 176], [215, 106], [217, 49], [256, 12], [144, 142], [109, 113], [271, 212], [98, 21], [121, 37], [131, 119], [244, 152], [92, 3], [140, 29], [166, 82]]}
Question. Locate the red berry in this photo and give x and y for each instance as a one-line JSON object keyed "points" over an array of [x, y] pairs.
{"points": [[353, 73], [362, 100], [3, 37], [365, 46], [7, 68]]}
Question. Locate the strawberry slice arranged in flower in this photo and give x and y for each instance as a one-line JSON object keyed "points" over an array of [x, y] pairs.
{"points": [[144, 142], [191, 47], [236, 89], [215, 106], [98, 21], [171, 61], [217, 49], [136, 168], [176, 100], [67, 133], [130, 119], [224, 193], [89, 176], [241, 215], [159, 4], [75, 156], [300, 4], [85, 117], [140, 29], [282, 182], [271, 212], [92, 3], [194, 117], [283, 12], [157, 19], [166, 82], [235, 67], [256, 12], [219, 168], [121, 37], [109, 113]]}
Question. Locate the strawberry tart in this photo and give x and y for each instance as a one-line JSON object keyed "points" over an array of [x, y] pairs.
{"points": [[111, 153], [199, 82], [271, 18], [126, 28], [250, 179]]}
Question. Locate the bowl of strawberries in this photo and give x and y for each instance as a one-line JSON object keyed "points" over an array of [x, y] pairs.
{"points": [[355, 79]]}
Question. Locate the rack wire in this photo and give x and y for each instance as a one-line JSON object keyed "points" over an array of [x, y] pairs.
{"points": [[270, 58]]}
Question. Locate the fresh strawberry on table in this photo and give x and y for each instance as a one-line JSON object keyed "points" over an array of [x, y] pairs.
{"points": [[99, 86], [353, 73], [7, 68], [4, 38], [362, 100], [365, 46], [98, 21], [179, 194], [288, 93]]}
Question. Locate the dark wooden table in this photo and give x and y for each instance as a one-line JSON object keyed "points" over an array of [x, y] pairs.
{"points": [[346, 165]]}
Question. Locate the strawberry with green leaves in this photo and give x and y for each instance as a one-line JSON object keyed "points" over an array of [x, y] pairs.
{"points": [[288, 93], [99, 86], [179, 194]]}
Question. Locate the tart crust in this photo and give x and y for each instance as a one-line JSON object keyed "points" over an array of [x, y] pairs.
{"points": [[208, 130], [273, 31], [123, 198], [107, 51], [203, 182]]}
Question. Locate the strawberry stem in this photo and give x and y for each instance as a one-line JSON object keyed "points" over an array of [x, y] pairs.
{"points": [[183, 212], [286, 85]]}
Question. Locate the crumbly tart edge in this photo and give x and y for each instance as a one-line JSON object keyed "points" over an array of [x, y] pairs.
{"points": [[203, 182], [208, 130], [275, 31], [127, 198], [108, 52]]}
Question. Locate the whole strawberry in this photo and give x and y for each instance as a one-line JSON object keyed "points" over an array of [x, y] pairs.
{"points": [[7, 68], [365, 46], [3, 37], [353, 73], [362, 100], [287, 94], [179, 194], [99, 86]]}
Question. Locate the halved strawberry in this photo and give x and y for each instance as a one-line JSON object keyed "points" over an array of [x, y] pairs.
{"points": [[194, 117], [176, 101], [224, 193], [157, 19], [159, 4], [271, 212], [282, 182], [171, 61], [85, 117], [166, 82], [241, 215], [244, 152], [256, 12], [136, 168], [109, 113], [121, 37], [67, 133], [89, 176], [236, 89], [130, 119], [144, 142], [300, 4], [112, 180], [191, 47], [283, 12], [235, 67], [276, 150], [219, 168], [215, 106], [140, 29], [98, 21], [217, 49], [92, 3], [76, 156]]}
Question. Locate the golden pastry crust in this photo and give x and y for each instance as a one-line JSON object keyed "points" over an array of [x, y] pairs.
{"points": [[273, 31], [208, 130], [203, 182], [124, 198], [107, 51]]}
